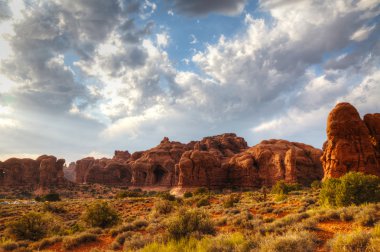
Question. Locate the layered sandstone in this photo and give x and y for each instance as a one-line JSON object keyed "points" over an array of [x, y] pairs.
{"points": [[204, 165], [103, 171], [352, 144], [274, 160], [44, 172], [156, 167]]}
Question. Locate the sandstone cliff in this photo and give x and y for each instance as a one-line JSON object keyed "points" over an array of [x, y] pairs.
{"points": [[352, 144], [44, 172]]}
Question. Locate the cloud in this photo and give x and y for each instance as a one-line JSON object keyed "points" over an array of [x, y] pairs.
{"points": [[201, 8]]}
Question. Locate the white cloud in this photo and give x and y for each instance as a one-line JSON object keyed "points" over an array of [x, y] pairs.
{"points": [[362, 33], [162, 39]]}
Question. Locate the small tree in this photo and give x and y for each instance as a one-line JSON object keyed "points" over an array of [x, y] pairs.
{"points": [[101, 215]]}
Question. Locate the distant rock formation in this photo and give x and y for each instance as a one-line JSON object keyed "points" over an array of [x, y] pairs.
{"points": [[274, 160], [103, 171], [44, 172], [352, 143], [69, 171]]}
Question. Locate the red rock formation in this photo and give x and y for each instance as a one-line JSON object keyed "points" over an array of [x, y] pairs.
{"points": [[273, 160], [69, 171], [121, 155], [44, 172], [204, 166], [156, 167], [352, 144], [200, 168], [103, 171]]}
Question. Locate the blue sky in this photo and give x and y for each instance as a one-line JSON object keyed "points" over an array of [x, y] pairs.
{"points": [[84, 78]]}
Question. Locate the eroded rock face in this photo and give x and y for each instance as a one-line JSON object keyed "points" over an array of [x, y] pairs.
{"points": [[103, 171], [156, 167], [274, 160], [69, 171], [204, 165], [44, 172], [352, 144]]}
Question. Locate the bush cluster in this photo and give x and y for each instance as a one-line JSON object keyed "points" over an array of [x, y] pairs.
{"points": [[281, 187], [31, 226], [100, 214], [189, 222], [352, 188]]}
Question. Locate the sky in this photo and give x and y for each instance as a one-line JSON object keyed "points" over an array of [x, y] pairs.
{"points": [[87, 77]]}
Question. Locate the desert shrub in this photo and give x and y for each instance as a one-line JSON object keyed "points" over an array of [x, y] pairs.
{"points": [[201, 190], [31, 226], [138, 224], [117, 244], [281, 187], [163, 207], [204, 201], [234, 242], [352, 188], [289, 242], [126, 194], [48, 207], [316, 184], [231, 200], [46, 242], [188, 222], [347, 214], [188, 195], [167, 196], [352, 242], [366, 217], [8, 246], [77, 240], [135, 242], [100, 214], [280, 197]]}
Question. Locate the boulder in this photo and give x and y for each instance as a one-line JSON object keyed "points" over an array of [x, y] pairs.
{"points": [[352, 144]]}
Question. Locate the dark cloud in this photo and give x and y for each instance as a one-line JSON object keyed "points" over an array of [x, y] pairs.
{"points": [[5, 12], [201, 7]]}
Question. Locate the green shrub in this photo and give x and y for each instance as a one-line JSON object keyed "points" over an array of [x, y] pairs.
{"points": [[281, 187], [126, 194], [188, 222], [48, 207], [46, 242], [290, 242], [201, 190], [352, 188], [101, 215], [366, 217], [316, 184], [167, 196], [31, 226], [188, 195], [231, 200], [352, 242], [77, 240], [163, 207], [203, 202]]}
